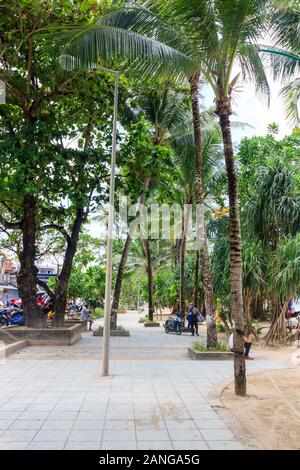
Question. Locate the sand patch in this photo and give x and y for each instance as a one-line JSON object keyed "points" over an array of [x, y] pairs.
{"points": [[271, 410]]}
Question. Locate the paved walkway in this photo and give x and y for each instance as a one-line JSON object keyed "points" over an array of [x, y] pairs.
{"points": [[156, 398]]}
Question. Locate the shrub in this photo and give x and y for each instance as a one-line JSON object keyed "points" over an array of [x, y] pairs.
{"points": [[221, 347]]}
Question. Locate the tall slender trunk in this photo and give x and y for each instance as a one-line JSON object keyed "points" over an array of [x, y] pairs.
{"points": [[184, 228], [211, 339], [123, 260], [207, 284], [196, 279], [181, 270], [27, 277], [237, 310], [147, 249], [61, 291]]}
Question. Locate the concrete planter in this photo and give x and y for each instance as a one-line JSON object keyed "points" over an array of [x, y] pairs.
{"points": [[64, 336], [7, 349], [82, 323], [99, 332], [209, 355], [150, 325]]}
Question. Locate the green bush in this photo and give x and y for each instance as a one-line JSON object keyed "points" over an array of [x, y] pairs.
{"points": [[98, 312], [221, 347], [143, 319]]}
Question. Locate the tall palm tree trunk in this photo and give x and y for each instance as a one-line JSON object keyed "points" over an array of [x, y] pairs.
{"points": [[207, 284], [184, 228], [212, 339], [124, 257], [237, 310], [196, 279], [182, 273], [149, 269]]}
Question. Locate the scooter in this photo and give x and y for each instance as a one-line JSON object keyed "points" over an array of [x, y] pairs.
{"points": [[11, 316], [174, 325]]}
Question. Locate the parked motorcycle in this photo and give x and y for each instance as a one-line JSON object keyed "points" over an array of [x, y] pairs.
{"points": [[174, 325], [11, 316]]}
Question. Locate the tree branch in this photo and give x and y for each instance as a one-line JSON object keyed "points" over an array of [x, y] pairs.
{"points": [[9, 225], [47, 288], [59, 228]]}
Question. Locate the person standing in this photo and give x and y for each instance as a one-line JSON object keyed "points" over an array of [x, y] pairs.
{"points": [[194, 321], [85, 313]]}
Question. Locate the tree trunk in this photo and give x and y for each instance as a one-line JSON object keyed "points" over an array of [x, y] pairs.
{"points": [[61, 291], [123, 261], [27, 277], [150, 278], [237, 311], [196, 280], [207, 277], [184, 227], [182, 283], [277, 332], [211, 340]]}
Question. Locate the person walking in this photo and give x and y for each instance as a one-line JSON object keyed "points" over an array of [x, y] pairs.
{"points": [[194, 321]]}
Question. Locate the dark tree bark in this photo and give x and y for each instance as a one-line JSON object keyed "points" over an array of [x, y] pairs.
{"points": [[123, 260], [207, 284], [61, 291], [237, 309], [149, 270], [27, 277]]}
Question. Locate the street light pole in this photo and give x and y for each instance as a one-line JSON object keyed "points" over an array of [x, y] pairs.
{"points": [[111, 210]]}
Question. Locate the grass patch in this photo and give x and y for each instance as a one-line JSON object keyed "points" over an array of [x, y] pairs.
{"points": [[221, 347], [99, 312], [144, 319]]}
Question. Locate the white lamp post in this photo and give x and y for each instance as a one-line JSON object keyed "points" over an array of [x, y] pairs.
{"points": [[111, 210]]}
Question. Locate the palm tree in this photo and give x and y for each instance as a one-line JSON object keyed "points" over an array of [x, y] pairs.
{"points": [[285, 55], [211, 154], [215, 35], [164, 109]]}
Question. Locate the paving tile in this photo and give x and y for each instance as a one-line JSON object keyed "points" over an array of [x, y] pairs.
{"points": [[217, 435], [87, 415], [46, 445], [27, 424], [14, 445], [182, 424], [5, 424], [59, 425], [33, 415], [118, 435], [85, 435], [191, 445], [107, 445], [89, 424], [122, 425], [52, 435], [70, 445], [62, 415], [154, 445], [15, 435], [210, 424], [181, 435], [9, 415], [152, 434], [224, 445]]}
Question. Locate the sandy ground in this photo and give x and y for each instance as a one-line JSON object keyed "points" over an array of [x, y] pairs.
{"points": [[271, 410]]}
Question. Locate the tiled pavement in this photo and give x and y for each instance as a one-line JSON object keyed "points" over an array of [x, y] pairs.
{"points": [[156, 398]]}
